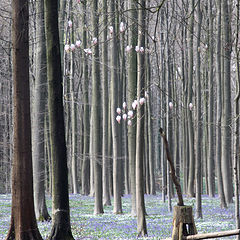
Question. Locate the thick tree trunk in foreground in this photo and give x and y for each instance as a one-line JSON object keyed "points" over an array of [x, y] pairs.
{"points": [[61, 228], [23, 221], [39, 108]]}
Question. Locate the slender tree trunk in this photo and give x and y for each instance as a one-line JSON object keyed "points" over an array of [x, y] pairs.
{"points": [[226, 113], [210, 159], [39, 108], [61, 228], [106, 160], [96, 110], [190, 101], [117, 208], [219, 106], [150, 132], [73, 112], [140, 205], [237, 140], [199, 121], [131, 91], [86, 111], [23, 222]]}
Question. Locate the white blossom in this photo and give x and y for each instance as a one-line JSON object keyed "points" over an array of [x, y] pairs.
{"points": [[122, 27], [118, 118], [118, 110], [70, 23]]}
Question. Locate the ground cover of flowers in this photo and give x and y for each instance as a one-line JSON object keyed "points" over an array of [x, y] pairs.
{"points": [[85, 225]]}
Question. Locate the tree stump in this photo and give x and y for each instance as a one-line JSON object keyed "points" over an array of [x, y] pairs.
{"points": [[183, 222]]}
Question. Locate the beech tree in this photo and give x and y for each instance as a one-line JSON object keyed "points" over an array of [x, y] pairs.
{"points": [[140, 204], [61, 228], [23, 221], [131, 94], [38, 111], [96, 110]]}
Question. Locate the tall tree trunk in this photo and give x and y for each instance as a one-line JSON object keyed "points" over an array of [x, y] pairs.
{"points": [[61, 228], [190, 101], [199, 121], [237, 140], [131, 94], [219, 106], [73, 110], [96, 111], [106, 160], [39, 108], [150, 132], [23, 222], [210, 159], [117, 208], [140, 205], [86, 112], [226, 113]]}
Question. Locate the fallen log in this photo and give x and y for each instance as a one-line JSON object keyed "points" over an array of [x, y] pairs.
{"points": [[213, 235]]}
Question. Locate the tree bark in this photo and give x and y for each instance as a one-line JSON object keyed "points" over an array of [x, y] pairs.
{"points": [[86, 111], [210, 159], [219, 107], [38, 118], [199, 121], [96, 118], [61, 228], [117, 208], [23, 222], [226, 113], [131, 94], [140, 204], [106, 159], [191, 175]]}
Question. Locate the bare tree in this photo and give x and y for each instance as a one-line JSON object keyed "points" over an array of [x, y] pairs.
{"points": [[61, 228], [23, 222]]}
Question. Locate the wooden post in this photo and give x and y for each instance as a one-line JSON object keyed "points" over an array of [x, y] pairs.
{"points": [[183, 222], [213, 235]]}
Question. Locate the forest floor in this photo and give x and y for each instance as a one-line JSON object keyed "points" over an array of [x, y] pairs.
{"points": [[87, 226]]}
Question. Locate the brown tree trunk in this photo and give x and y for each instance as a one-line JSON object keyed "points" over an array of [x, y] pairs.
{"points": [[23, 222], [61, 228]]}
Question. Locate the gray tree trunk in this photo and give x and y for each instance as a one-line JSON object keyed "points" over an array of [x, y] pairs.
{"points": [[237, 140], [86, 111], [199, 120], [190, 100], [210, 159], [140, 205], [106, 159], [96, 117], [117, 208], [131, 95], [219, 106], [227, 112], [39, 108]]}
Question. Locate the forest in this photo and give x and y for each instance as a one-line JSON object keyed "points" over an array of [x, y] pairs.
{"points": [[114, 106]]}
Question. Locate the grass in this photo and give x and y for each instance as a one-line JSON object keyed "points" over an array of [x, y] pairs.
{"points": [[87, 226]]}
